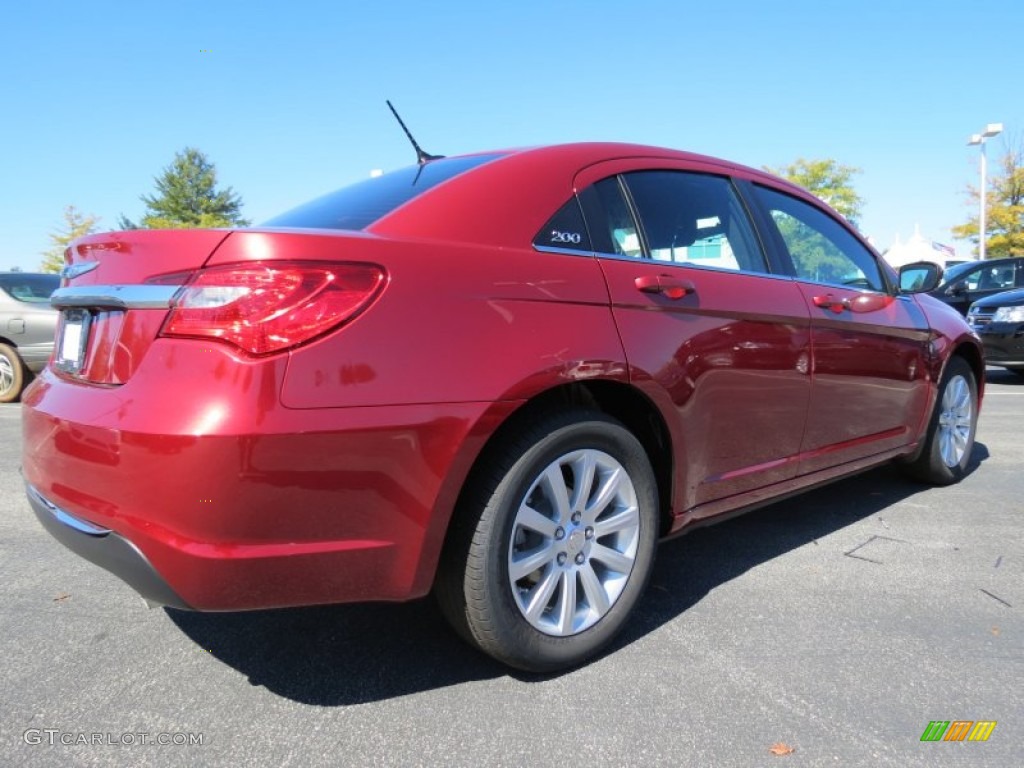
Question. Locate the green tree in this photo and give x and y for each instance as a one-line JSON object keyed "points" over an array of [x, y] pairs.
{"points": [[831, 182], [187, 197], [828, 180], [1004, 209], [75, 225]]}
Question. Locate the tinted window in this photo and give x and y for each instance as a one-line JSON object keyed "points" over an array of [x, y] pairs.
{"points": [[565, 229], [822, 249], [30, 288], [611, 225], [691, 218], [361, 204], [994, 277]]}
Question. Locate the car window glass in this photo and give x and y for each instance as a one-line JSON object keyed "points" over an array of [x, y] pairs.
{"points": [[565, 230], [29, 288], [359, 205], [693, 218], [822, 250], [995, 278], [613, 229]]}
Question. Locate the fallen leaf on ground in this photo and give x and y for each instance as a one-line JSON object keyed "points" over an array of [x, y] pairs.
{"points": [[61, 596], [781, 749]]}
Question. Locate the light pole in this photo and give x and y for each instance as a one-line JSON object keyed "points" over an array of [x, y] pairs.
{"points": [[992, 129]]}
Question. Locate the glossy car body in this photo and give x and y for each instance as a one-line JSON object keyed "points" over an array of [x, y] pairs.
{"points": [[963, 284], [999, 321], [27, 327], [675, 306]]}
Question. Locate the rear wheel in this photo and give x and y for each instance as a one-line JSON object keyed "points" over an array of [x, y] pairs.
{"points": [[950, 437], [554, 545], [12, 374]]}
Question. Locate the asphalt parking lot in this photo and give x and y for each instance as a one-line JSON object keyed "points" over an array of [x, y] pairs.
{"points": [[836, 625]]}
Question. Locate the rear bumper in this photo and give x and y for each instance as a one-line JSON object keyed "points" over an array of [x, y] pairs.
{"points": [[224, 500], [104, 548]]}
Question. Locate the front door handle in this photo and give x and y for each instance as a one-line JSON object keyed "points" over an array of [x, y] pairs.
{"points": [[865, 302], [828, 301], [666, 285]]}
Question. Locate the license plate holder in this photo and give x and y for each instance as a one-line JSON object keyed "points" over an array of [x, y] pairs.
{"points": [[73, 340]]}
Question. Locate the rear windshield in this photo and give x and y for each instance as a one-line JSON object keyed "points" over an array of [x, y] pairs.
{"points": [[30, 288], [359, 205]]}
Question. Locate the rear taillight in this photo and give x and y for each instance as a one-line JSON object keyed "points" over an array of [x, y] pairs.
{"points": [[264, 308]]}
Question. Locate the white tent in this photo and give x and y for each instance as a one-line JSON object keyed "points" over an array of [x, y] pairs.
{"points": [[918, 248]]}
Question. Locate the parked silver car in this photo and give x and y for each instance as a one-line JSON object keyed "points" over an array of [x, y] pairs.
{"points": [[27, 327]]}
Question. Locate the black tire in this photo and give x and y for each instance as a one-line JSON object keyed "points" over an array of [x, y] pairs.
{"points": [[12, 374], [475, 587], [950, 437]]}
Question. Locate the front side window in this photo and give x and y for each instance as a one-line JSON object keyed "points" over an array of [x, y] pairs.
{"points": [[695, 219], [822, 250]]}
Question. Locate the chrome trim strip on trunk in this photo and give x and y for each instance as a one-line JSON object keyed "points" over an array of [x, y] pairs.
{"points": [[115, 296], [82, 526]]}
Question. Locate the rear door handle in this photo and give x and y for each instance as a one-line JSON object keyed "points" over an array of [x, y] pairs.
{"points": [[666, 285]]}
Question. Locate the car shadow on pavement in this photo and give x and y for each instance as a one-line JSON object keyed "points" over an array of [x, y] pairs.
{"points": [[353, 654]]}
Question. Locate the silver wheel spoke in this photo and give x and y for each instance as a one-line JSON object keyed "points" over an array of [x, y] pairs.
{"points": [[523, 567], [584, 472], [541, 594], [611, 558], [556, 492], [566, 603], [626, 519], [597, 598], [606, 493], [535, 521]]}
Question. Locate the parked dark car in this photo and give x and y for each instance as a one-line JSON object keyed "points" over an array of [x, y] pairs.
{"points": [[27, 327], [963, 284], [502, 377], [999, 321]]}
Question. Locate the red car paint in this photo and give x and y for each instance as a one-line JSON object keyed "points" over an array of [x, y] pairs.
{"points": [[328, 471]]}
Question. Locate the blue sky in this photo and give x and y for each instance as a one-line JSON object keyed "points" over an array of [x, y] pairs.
{"points": [[287, 98]]}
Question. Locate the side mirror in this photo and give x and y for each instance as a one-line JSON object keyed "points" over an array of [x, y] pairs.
{"points": [[919, 277]]}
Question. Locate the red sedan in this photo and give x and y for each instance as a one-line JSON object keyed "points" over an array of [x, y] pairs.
{"points": [[502, 377]]}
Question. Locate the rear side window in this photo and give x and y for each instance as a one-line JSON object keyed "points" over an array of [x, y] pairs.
{"points": [[695, 219], [359, 205]]}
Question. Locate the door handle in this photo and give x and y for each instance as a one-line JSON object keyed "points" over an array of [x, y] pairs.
{"points": [[830, 302], [865, 302], [666, 285]]}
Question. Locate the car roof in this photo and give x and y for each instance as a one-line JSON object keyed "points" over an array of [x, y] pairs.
{"points": [[512, 196]]}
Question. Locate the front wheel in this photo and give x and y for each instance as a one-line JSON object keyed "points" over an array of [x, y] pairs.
{"points": [[951, 430], [553, 544]]}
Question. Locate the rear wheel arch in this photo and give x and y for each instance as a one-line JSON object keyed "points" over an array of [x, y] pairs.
{"points": [[623, 403]]}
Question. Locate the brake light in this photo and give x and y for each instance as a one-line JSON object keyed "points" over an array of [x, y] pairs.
{"points": [[266, 308]]}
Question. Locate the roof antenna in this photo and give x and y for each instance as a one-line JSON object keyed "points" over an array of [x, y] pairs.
{"points": [[421, 156]]}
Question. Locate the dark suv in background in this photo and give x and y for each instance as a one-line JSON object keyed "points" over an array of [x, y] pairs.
{"points": [[964, 284], [999, 321]]}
